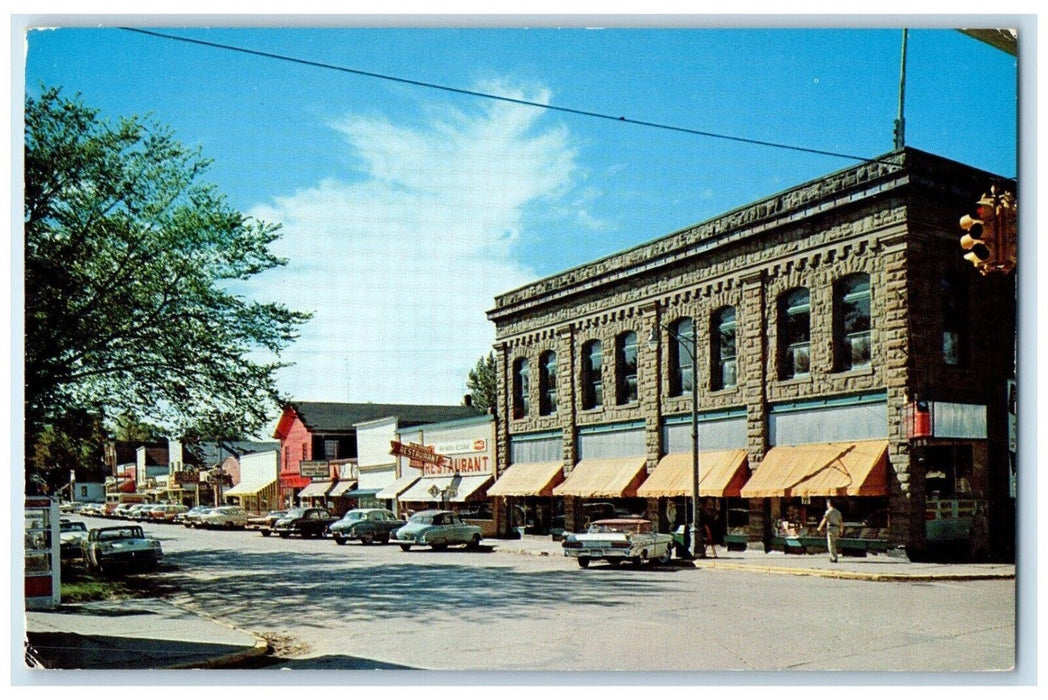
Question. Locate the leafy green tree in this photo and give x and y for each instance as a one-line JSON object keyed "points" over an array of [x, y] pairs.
{"points": [[131, 270], [483, 383]]}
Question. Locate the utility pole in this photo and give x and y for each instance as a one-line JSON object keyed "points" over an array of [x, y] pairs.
{"points": [[900, 121]]}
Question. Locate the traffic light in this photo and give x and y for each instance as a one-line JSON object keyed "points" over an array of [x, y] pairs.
{"points": [[1007, 236], [980, 237]]}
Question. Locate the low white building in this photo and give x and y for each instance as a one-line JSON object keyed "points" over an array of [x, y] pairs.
{"points": [[259, 489]]}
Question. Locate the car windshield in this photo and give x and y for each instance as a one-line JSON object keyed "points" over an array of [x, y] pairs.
{"points": [[74, 527], [353, 516], [296, 513], [425, 519]]}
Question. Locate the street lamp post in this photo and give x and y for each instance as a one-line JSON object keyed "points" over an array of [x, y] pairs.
{"points": [[695, 542]]}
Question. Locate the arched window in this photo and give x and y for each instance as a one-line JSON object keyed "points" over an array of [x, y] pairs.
{"points": [[520, 388], [722, 349], [592, 375], [626, 368], [851, 322], [682, 364], [548, 383], [794, 334]]}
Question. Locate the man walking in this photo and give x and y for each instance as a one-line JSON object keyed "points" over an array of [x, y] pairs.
{"points": [[831, 522]]}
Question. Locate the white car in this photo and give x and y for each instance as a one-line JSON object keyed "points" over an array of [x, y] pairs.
{"points": [[619, 540], [228, 517]]}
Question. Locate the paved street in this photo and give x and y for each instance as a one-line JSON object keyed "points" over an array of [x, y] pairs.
{"points": [[323, 606]]}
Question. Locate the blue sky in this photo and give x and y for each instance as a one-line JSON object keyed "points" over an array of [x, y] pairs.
{"points": [[407, 209]]}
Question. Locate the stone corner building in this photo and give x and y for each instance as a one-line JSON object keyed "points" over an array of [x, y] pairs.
{"points": [[844, 348]]}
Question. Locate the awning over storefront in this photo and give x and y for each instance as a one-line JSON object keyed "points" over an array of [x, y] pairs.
{"points": [[341, 489], [822, 469], [604, 478], [396, 488], [360, 493], [722, 474], [430, 489], [316, 489], [529, 479], [250, 488]]}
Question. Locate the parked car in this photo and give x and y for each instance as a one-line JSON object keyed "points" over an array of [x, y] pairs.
{"points": [[305, 522], [265, 523], [121, 509], [138, 512], [228, 517], [108, 549], [190, 518], [367, 525], [71, 538], [438, 529], [167, 512], [619, 540]]}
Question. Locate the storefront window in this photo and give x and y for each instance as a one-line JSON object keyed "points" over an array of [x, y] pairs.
{"points": [[794, 334], [548, 384], [626, 366], [722, 346], [592, 379], [851, 305], [682, 366]]}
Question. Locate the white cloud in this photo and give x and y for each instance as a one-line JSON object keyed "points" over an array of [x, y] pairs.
{"points": [[400, 265]]}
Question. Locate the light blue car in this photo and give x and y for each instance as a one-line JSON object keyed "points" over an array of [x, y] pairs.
{"points": [[437, 529]]}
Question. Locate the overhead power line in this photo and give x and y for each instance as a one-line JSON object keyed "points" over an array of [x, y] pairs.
{"points": [[502, 98]]}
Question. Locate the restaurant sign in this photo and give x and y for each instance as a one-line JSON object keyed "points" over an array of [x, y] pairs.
{"points": [[418, 454]]}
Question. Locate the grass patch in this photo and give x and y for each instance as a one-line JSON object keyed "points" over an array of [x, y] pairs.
{"points": [[82, 586]]}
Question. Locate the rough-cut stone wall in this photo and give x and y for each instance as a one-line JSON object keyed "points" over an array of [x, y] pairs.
{"points": [[863, 220]]}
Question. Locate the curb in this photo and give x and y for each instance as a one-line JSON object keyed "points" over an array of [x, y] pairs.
{"points": [[260, 648], [855, 575]]}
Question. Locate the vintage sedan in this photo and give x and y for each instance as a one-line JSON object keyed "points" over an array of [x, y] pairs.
{"points": [[617, 541], [305, 522], [367, 525], [437, 529], [189, 519], [265, 523], [125, 547], [71, 538], [228, 517]]}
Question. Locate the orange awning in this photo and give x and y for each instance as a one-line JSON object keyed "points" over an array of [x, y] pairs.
{"points": [[604, 478], [721, 474], [822, 469], [529, 479]]}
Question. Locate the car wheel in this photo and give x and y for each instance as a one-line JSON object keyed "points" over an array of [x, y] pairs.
{"points": [[229, 526], [406, 547], [339, 539], [474, 543], [367, 538], [266, 533], [666, 557], [285, 535], [635, 562], [439, 547], [584, 562]]}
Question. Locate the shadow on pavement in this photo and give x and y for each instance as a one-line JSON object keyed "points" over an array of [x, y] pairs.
{"points": [[63, 650]]}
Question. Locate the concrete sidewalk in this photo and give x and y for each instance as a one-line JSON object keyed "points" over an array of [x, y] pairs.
{"points": [[133, 635], [154, 634], [874, 567]]}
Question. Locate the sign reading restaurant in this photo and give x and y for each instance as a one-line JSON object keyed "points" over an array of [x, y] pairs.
{"points": [[432, 462]]}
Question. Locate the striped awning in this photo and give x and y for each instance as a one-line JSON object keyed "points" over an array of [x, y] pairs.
{"points": [[249, 487], [396, 488], [822, 469], [529, 479], [316, 489], [722, 475], [340, 488], [616, 477], [432, 489]]}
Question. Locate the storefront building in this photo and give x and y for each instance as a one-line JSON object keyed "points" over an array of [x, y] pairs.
{"points": [[450, 465], [822, 326]]}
